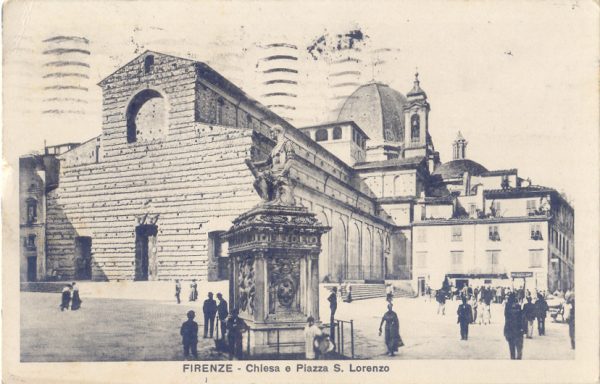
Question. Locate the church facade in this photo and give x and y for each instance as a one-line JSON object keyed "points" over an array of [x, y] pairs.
{"points": [[152, 195]]}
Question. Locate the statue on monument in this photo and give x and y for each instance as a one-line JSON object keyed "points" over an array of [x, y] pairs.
{"points": [[272, 175]]}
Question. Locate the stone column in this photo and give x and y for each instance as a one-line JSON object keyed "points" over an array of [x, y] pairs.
{"points": [[232, 283], [314, 284], [260, 283]]}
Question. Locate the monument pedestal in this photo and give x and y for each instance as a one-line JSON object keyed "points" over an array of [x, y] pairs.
{"points": [[274, 276]]}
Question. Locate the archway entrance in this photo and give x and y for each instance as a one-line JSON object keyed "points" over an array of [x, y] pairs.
{"points": [[145, 252]]}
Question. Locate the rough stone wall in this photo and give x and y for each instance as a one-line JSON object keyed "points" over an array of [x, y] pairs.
{"points": [[186, 181], [193, 177]]}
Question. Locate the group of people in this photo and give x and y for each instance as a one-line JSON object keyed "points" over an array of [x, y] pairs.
{"points": [[232, 329], [70, 297], [193, 296]]}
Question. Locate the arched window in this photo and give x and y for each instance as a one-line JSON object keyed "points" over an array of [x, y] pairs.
{"points": [[148, 64], [145, 116], [220, 106], [337, 133], [321, 135], [415, 130], [249, 120]]}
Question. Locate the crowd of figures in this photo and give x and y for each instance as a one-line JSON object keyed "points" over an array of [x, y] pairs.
{"points": [[521, 310], [230, 329], [70, 297]]}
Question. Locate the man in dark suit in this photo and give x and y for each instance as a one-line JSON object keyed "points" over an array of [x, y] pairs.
{"points": [[514, 326], [189, 336], [333, 307], [465, 317], [210, 311], [223, 313], [541, 308]]}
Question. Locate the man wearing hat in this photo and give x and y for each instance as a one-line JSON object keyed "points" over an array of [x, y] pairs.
{"points": [[189, 336], [210, 311]]}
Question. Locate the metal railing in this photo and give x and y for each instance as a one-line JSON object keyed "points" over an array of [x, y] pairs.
{"points": [[340, 337]]}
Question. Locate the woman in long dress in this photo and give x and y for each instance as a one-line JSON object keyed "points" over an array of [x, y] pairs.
{"points": [[392, 331], [65, 297], [75, 300]]}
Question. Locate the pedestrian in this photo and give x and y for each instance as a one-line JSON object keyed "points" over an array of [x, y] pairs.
{"points": [[178, 291], [311, 331], [474, 307], [513, 327], [440, 297], [571, 320], [529, 314], [189, 336], [389, 293], [193, 290], [392, 330], [65, 297], [348, 293], [236, 327], [541, 308], [465, 317], [210, 311], [223, 313], [332, 307], [486, 315], [75, 299]]}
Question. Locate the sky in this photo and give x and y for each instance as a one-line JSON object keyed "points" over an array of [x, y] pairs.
{"points": [[518, 79]]}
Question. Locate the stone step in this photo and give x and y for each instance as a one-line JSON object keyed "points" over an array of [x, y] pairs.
{"points": [[361, 291]]}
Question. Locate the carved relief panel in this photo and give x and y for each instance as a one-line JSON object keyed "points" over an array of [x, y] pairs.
{"points": [[284, 284], [246, 284]]}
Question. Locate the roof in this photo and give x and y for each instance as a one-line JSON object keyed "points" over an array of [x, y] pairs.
{"points": [[500, 172], [410, 162], [456, 168], [378, 110], [335, 123], [206, 72], [533, 190]]}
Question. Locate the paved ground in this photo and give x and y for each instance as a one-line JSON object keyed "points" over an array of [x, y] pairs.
{"points": [[111, 329], [104, 330], [427, 335]]}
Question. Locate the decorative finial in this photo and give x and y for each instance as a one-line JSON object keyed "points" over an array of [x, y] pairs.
{"points": [[416, 90]]}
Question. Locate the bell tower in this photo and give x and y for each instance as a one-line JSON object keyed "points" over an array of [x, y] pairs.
{"points": [[417, 140], [459, 147]]}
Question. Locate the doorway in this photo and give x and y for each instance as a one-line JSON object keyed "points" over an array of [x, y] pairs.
{"points": [[145, 252], [83, 258], [460, 283], [421, 286], [32, 268]]}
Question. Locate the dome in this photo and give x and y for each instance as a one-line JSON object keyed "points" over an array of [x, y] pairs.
{"points": [[456, 168], [378, 110]]}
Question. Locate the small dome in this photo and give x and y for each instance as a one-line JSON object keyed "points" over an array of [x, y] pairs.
{"points": [[456, 168], [378, 110]]}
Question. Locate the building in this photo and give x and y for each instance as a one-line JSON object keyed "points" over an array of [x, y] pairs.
{"points": [[38, 175], [491, 227], [150, 197]]}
